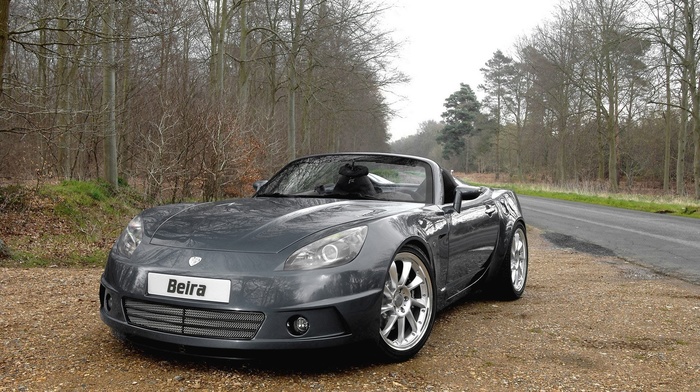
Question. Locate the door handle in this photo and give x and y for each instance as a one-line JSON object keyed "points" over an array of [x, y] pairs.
{"points": [[490, 210]]}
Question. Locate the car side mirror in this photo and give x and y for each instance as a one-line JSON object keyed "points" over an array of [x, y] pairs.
{"points": [[259, 184], [466, 192]]}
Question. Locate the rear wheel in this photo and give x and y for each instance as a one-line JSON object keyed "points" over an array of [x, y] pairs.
{"points": [[407, 312], [511, 281]]}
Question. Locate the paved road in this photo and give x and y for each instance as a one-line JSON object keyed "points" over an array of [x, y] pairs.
{"points": [[665, 243]]}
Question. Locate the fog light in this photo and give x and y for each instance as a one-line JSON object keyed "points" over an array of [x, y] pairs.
{"points": [[298, 325], [108, 302]]}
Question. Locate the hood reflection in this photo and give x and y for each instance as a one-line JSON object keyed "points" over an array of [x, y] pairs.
{"points": [[263, 225]]}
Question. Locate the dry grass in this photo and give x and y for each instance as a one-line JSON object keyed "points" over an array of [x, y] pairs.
{"points": [[645, 196]]}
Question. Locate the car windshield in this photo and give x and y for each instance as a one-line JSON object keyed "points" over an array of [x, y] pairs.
{"points": [[353, 177]]}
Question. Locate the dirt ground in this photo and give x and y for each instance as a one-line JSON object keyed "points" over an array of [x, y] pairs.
{"points": [[585, 323]]}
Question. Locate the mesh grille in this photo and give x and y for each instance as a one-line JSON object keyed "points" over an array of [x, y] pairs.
{"points": [[194, 322]]}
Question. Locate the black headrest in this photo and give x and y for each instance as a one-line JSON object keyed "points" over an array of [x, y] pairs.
{"points": [[353, 171], [353, 179]]}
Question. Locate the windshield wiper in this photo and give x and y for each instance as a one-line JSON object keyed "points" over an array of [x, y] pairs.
{"points": [[276, 194], [351, 196], [342, 196]]}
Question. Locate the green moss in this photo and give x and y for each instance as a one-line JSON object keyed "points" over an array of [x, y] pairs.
{"points": [[70, 259], [70, 224]]}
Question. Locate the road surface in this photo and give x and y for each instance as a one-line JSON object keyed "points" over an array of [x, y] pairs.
{"points": [[665, 243]]}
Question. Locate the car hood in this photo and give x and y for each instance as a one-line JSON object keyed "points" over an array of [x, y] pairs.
{"points": [[264, 225]]}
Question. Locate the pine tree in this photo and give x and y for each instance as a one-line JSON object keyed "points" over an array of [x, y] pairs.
{"points": [[462, 108]]}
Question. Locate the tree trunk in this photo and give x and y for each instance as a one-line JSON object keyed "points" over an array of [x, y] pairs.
{"points": [[273, 88], [109, 96], [291, 113], [43, 71], [696, 161], [561, 151], [63, 96], [4, 35], [612, 134], [688, 88], [498, 136], [243, 58], [124, 140], [599, 123], [682, 142], [292, 88], [667, 122], [221, 51]]}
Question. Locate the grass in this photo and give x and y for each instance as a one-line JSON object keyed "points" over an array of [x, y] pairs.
{"points": [[69, 224], [75, 223], [587, 193]]}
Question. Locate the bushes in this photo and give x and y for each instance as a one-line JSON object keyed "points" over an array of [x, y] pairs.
{"points": [[14, 198]]}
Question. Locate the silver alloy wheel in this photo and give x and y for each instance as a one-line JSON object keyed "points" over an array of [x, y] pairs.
{"points": [[518, 260], [407, 302]]}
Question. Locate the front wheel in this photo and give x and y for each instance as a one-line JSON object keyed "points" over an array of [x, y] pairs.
{"points": [[407, 312]]}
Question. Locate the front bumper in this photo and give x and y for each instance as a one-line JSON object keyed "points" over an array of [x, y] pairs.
{"points": [[332, 322]]}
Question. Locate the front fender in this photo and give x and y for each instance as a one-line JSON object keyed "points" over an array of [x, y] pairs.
{"points": [[510, 214]]}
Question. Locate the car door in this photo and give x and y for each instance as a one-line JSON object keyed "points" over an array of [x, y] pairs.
{"points": [[473, 233]]}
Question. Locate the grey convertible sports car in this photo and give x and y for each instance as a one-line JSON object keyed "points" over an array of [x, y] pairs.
{"points": [[333, 249]]}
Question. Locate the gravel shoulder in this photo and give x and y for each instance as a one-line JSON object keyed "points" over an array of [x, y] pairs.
{"points": [[585, 323]]}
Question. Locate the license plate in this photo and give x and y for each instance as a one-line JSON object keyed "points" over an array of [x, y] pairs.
{"points": [[188, 287]]}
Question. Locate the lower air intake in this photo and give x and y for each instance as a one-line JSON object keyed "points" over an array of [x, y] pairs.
{"points": [[193, 322]]}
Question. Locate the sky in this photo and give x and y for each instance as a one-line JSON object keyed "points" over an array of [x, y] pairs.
{"points": [[447, 42]]}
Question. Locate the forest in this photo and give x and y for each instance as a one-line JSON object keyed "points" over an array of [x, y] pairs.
{"points": [[199, 98], [605, 91], [188, 98]]}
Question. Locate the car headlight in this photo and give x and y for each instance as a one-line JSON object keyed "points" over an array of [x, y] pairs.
{"points": [[334, 250], [131, 237]]}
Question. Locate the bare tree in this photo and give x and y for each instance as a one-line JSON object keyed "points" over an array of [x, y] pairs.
{"points": [[166, 93], [4, 35], [109, 95], [557, 65]]}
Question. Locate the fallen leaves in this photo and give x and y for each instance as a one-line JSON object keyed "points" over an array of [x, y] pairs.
{"points": [[616, 331]]}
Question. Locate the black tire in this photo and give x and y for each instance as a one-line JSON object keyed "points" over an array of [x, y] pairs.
{"points": [[407, 310], [510, 282]]}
